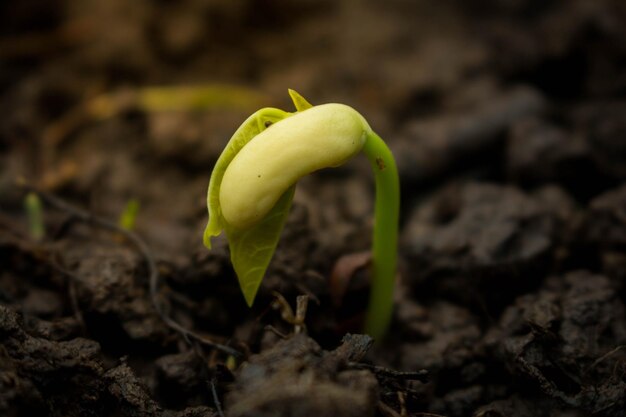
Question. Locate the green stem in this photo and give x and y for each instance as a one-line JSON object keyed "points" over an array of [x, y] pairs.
{"points": [[385, 241], [34, 212]]}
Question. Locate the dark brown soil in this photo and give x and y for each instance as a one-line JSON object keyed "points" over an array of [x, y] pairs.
{"points": [[508, 120]]}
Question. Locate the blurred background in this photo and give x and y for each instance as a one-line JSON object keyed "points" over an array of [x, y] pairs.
{"points": [[529, 89], [507, 119]]}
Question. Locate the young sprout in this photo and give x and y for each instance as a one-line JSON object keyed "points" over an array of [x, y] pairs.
{"points": [[34, 213], [129, 214], [253, 183]]}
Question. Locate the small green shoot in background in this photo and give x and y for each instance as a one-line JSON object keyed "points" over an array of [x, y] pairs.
{"points": [[34, 215], [129, 214]]}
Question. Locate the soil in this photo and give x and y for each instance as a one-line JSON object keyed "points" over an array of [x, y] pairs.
{"points": [[508, 121]]}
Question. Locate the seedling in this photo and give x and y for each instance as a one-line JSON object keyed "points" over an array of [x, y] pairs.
{"points": [[253, 183], [34, 212], [129, 215]]}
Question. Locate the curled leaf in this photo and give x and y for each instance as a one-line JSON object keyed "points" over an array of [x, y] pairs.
{"points": [[253, 125], [252, 248]]}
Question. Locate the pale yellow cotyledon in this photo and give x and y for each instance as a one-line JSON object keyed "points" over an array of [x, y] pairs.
{"points": [[322, 136]]}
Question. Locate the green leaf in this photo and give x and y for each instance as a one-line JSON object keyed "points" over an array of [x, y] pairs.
{"points": [[252, 249], [253, 125], [300, 102]]}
